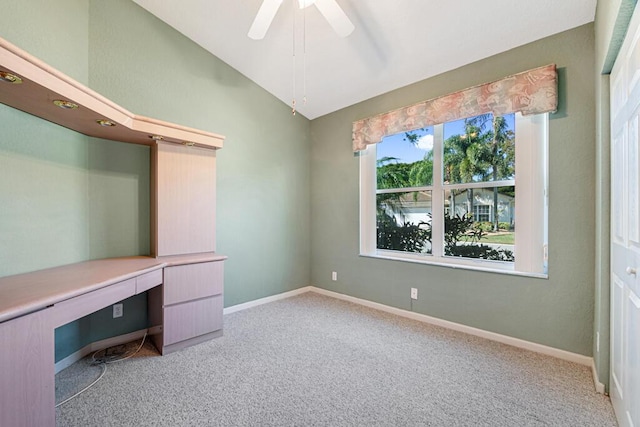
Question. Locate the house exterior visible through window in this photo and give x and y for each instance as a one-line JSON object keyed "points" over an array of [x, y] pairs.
{"points": [[460, 193]]}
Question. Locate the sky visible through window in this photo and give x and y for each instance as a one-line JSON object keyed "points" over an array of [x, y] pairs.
{"points": [[406, 152]]}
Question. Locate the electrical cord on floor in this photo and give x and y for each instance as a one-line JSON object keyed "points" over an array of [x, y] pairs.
{"points": [[104, 369], [117, 357], [103, 363]]}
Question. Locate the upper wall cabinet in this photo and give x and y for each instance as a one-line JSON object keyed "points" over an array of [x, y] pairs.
{"points": [[28, 84], [183, 212]]}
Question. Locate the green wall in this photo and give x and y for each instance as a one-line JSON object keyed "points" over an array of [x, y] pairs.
{"points": [[66, 198], [287, 187], [557, 312]]}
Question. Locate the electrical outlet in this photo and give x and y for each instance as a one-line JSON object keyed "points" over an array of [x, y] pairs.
{"points": [[334, 275], [117, 310], [414, 293]]}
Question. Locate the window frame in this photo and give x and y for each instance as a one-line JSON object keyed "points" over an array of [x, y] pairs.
{"points": [[478, 212], [531, 208]]}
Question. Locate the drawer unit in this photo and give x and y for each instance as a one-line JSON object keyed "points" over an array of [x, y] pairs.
{"points": [[191, 301]]}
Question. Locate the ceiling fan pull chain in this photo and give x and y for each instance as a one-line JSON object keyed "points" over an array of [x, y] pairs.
{"points": [[304, 56], [293, 39]]}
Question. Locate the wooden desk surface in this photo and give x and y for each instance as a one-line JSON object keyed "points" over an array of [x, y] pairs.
{"points": [[29, 292]]}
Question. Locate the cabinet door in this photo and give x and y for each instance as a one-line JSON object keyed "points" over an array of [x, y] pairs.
{"points": [[27, 395], [185, 199]]}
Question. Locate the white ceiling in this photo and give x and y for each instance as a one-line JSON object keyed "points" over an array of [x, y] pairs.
{"points": [[395, 42]]}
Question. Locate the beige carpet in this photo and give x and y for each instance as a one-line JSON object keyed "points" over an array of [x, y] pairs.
{"points": [[312, 360]]}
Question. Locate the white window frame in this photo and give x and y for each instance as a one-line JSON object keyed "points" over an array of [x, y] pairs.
{"points": [[531, 210], [477, 213]]}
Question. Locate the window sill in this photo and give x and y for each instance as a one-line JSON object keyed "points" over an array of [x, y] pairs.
{"points": [[457, 263]]}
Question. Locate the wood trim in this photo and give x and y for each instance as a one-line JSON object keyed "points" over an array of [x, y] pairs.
{"points": [[146, 281], [153, 220], [188, 343], [42, 84]]}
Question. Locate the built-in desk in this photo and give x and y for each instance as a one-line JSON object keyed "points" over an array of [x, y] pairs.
{"points": [[185, 311], [184, 291]]}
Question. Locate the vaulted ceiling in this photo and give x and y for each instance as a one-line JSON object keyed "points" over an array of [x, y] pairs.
{"points": [[395, 42]]}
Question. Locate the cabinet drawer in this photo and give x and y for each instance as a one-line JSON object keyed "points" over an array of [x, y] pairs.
{"points": [[77, 307], [192, 281], [146, 281], [191, 319]]}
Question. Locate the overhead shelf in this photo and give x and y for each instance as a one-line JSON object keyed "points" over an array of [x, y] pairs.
{"points": [[30, 85]]}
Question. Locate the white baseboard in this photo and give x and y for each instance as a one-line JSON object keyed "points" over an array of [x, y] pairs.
{"points": [[98, 345], [538, 348], [596, 381], [266, 300], [516, 342]]}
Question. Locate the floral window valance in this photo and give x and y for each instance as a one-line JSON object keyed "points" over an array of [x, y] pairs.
{"points": [[530, 92]]}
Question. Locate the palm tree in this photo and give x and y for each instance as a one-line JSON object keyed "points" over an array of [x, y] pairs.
{"points": [[501, 158], [464, 159], [479, 155], [421, 172], [390, 173]]}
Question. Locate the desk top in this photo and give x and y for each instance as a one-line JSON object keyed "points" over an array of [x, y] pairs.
{"points": [[28, 292]]}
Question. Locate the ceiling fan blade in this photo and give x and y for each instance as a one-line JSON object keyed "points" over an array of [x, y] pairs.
{"points": [[263, 19], [335, 16]]}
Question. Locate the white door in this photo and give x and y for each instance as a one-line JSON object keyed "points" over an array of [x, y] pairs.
{"points": [[625, 229]]}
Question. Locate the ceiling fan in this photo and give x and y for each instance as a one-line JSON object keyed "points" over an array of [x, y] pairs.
{"points": [[328, 8]]}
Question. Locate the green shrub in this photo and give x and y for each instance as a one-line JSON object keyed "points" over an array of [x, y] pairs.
{"points": [[484, 226], [479, 251], [406, 237], [461, 239]]}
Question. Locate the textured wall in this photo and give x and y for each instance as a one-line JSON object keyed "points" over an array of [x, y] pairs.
{"points": [[557, 312], [65, 198], [263, 169], [43, 181]]}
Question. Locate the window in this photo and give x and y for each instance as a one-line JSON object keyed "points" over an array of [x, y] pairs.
{"points": [[482, 213], [469, 193]]}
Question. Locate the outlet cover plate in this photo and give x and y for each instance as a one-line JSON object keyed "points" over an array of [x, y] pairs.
{"points": [[117, 310]]}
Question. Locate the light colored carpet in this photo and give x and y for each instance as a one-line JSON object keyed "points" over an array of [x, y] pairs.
{"points": [[312, 360]]}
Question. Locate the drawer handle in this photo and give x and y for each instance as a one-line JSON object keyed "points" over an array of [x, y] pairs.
{"points": [[631, 271]]}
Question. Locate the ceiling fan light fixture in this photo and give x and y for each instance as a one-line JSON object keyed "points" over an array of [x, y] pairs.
{"points": [[336, 17], [330, 9], [263, 19], [305, 3]]}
